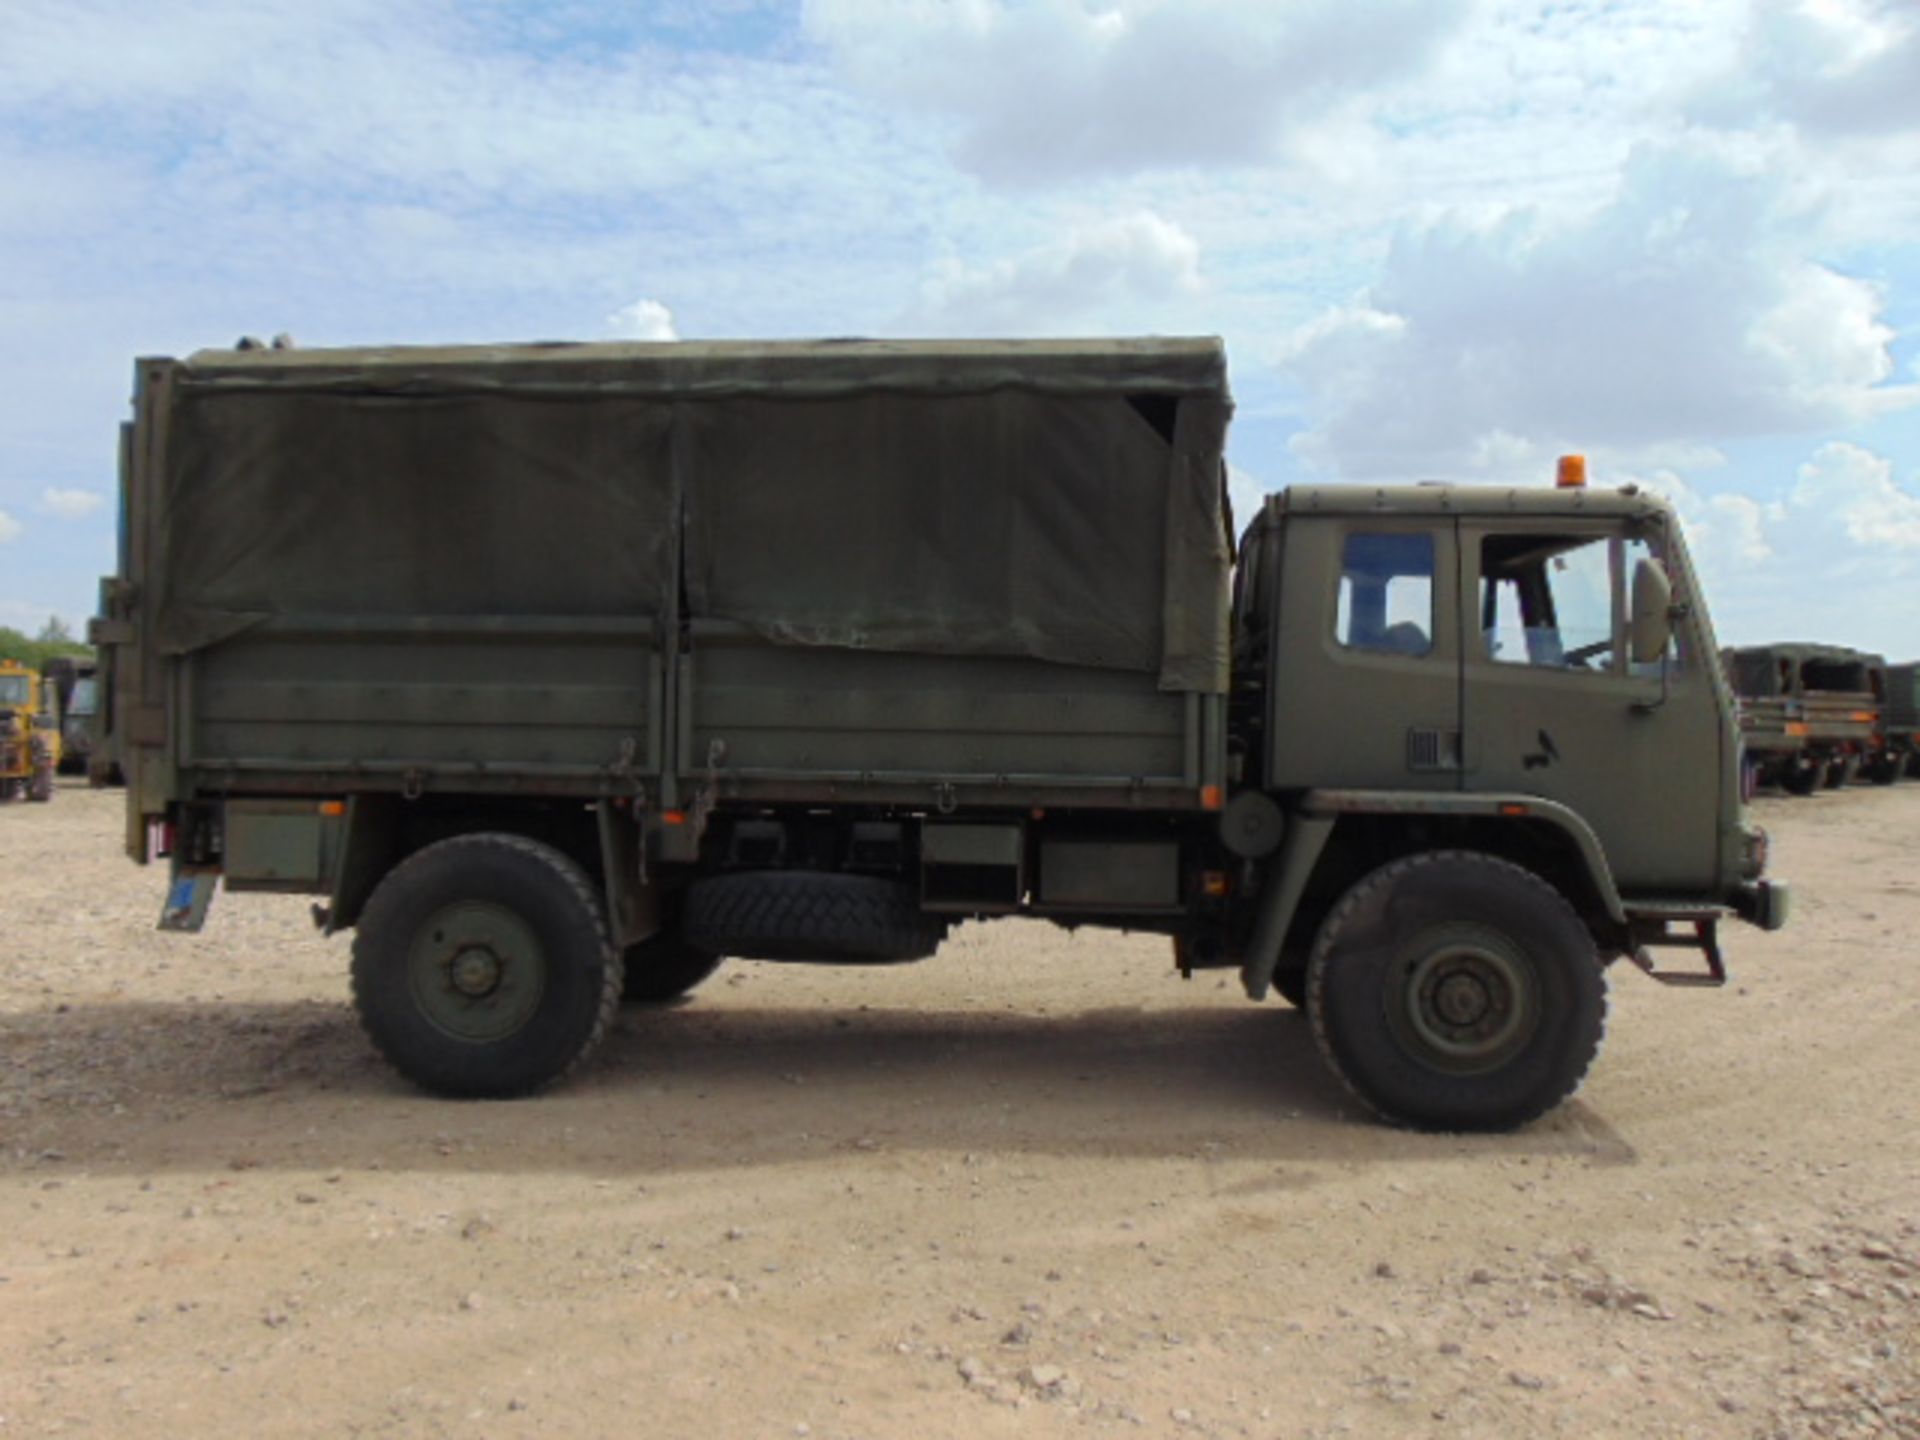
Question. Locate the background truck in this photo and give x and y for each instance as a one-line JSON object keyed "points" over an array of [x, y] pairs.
{"points": [[1902, 723], [1810, 715], [560, 670], [75, 683], [29, 734]]}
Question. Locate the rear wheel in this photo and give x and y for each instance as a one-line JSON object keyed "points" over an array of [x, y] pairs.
{"points": [[1884, 769], [481, 966], [1456, 991]]}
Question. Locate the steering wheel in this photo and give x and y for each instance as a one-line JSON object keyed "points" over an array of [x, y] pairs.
{"points": [[1585, 653]]}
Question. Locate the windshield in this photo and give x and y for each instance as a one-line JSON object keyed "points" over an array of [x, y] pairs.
{"points": [[13, 689], [81, 702], [1548, 600]]}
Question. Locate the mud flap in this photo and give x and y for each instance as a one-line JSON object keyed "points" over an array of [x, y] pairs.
{"points": [[189, 894]]}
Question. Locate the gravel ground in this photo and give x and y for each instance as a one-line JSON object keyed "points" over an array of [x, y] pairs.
{"points": [[1037, 1186]]}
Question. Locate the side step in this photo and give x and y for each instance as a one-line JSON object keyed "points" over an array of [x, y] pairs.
{"points": [[1652, 923]]}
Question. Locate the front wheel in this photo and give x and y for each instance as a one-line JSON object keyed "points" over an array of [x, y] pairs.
{"points": [[1456, 991], [482, 967]]}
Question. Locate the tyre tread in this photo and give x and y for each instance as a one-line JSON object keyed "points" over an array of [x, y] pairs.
{"points": [[815, 912], [1361, 894], [575, 880]]}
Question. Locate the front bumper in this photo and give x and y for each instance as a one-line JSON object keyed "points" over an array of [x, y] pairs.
{"points": [[1766, 903]]}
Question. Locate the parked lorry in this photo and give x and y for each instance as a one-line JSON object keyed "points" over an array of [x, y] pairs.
{"points": [[1902, 723], [553, 670], [29, 734], [1810, 715], [75, 686]]}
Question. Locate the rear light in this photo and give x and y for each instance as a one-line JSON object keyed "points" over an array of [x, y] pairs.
{"points": [[160, 838]]}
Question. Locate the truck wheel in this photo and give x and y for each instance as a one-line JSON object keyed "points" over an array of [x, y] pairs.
{"points": [[1802, 779], [809, 915], [482, 967], [664, 968], [1455, 991], [1884, 769]]}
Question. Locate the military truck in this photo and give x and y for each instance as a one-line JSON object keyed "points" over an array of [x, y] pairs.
{"points": [[29, 734], [1810, 714], [1902, 729], [559, 670]]}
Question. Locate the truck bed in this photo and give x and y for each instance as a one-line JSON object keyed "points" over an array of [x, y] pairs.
{"points": [[927, 575]]}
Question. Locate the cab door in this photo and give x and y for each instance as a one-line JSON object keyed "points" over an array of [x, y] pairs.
{"points": [[1553, 707], [1367, 691]]}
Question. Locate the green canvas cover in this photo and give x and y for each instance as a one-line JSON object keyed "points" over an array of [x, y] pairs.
{"points": [[1756, 670], [1061, 499]]}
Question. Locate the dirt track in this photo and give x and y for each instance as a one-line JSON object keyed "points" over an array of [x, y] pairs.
{"points": [[1036, 1186]]}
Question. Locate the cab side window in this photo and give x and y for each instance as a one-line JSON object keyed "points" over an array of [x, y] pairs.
{"points": [[1548, 601], [1386, 594]]}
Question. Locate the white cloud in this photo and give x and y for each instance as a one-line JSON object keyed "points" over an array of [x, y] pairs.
{"points": [[1046, 91], [1832, 67], [1836, 557], [1726, 531], [1123, 270], [643, 320], [1854, 489], [1683, 310], [10, 528], [70, 504]]}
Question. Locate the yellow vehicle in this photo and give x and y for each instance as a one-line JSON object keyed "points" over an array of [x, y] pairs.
{"points": [[29, 733]]}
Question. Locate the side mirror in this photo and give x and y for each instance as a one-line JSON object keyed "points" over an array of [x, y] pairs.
{"points": [[1651, 628]]}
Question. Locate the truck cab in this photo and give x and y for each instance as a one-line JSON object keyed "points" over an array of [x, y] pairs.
{"points": [[1526, 675], [29, 734]]}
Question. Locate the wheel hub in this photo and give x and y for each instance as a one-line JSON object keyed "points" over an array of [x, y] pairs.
{"points": [[1462, 1000], [476, 971], [1467, 1003]]}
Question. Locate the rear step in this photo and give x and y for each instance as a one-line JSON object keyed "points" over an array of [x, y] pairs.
{"points": [[1650, 924]]}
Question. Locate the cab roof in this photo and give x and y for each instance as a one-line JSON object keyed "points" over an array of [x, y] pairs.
{"points": [[1438, 498]]}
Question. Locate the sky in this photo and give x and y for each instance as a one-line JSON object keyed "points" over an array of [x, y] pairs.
{"points": [[1442, 239]]}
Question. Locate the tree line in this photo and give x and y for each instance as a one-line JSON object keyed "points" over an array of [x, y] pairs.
{"points": [[55, 638]]}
